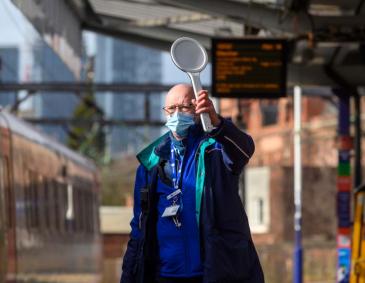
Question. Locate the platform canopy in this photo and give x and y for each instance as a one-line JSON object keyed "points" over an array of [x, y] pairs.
{"points": [[327, 36]]}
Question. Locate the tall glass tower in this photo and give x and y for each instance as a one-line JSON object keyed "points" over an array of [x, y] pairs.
{"points": [[48, 67], [9, 73], [119, 61]]}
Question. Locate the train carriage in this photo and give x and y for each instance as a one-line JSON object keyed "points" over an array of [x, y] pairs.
{"points": [[49, 201]]}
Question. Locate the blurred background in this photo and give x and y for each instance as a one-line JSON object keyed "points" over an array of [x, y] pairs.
{"points": [[92, 75]]}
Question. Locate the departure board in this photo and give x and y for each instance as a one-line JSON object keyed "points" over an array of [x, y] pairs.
{"points": [[249, 68]]}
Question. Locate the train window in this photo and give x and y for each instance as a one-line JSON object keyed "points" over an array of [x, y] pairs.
{"points": [[76, 208], [41, 202], [83, 207], [96, 213], [47, 204], [97, 218], [62, 204], [82, 210], [88, 215], [27, 199], [34, 200], [92, 216], [69, 217], [30, 200], [91, 212], [56, 208], [86, 208], [7, 197], [76, 213], [4, 194]]}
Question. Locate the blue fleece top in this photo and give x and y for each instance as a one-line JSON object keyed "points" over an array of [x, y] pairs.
{"points": [[179, 247]]}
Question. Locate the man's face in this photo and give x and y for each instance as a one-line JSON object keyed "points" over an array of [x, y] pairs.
{"points": [[179, 99]]}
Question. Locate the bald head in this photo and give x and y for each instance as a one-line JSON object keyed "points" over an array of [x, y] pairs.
{"points": [[179, 94]]}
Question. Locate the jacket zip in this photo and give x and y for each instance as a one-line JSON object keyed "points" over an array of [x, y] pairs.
{"points": [[184, 232], [186, 252]]}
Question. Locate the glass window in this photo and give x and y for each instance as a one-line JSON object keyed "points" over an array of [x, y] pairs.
{"points": [[269, 112], [259, 211], [257, 186]]}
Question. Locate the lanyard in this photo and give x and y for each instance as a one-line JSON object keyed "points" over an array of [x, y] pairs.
{"points": [[176, 172], [176, 175]]}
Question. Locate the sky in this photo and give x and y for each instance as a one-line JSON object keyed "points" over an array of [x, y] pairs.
{"points": [[16, 31]]}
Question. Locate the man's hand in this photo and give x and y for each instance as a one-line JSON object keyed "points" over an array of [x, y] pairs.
{"points": [[204, 105]]}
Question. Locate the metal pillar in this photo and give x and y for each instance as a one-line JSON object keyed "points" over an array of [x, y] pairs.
{"points": [[344, 185], [298, 251], [358, 149]]}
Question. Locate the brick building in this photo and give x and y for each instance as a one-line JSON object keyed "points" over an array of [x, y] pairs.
{"points": [[268, 184]]}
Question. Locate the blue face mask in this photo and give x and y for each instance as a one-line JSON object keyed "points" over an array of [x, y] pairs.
{"points": [[180, 123]]}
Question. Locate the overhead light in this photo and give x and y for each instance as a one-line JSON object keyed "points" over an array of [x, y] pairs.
{"points": [[176, 19], [223, 31]]}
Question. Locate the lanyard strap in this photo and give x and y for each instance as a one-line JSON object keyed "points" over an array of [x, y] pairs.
{"points": [[176, 172]]}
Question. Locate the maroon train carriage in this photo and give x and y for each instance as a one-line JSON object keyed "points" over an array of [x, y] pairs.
{"points": [[49, 203]]}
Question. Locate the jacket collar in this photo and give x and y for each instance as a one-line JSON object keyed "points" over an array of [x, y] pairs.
{"points": [[160, 148], [148, 156]]}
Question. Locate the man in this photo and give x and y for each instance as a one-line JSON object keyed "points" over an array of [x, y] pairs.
{"points": [[189, 223]]}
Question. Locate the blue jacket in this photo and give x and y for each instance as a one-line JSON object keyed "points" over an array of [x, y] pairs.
{"points": [[179, 247], [227, 250]]}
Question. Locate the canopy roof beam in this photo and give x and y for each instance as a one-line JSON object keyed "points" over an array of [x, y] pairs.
{"points": [[156, 35], [262, 16]]}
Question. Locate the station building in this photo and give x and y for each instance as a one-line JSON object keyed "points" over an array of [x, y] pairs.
{"points": [[267, 185]]}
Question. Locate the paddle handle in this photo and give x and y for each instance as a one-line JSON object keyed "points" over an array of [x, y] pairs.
{"points": [[195, 81]]}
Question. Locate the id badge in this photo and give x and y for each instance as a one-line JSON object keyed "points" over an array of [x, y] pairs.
{"points": [[173, 194], [171, 210]]}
